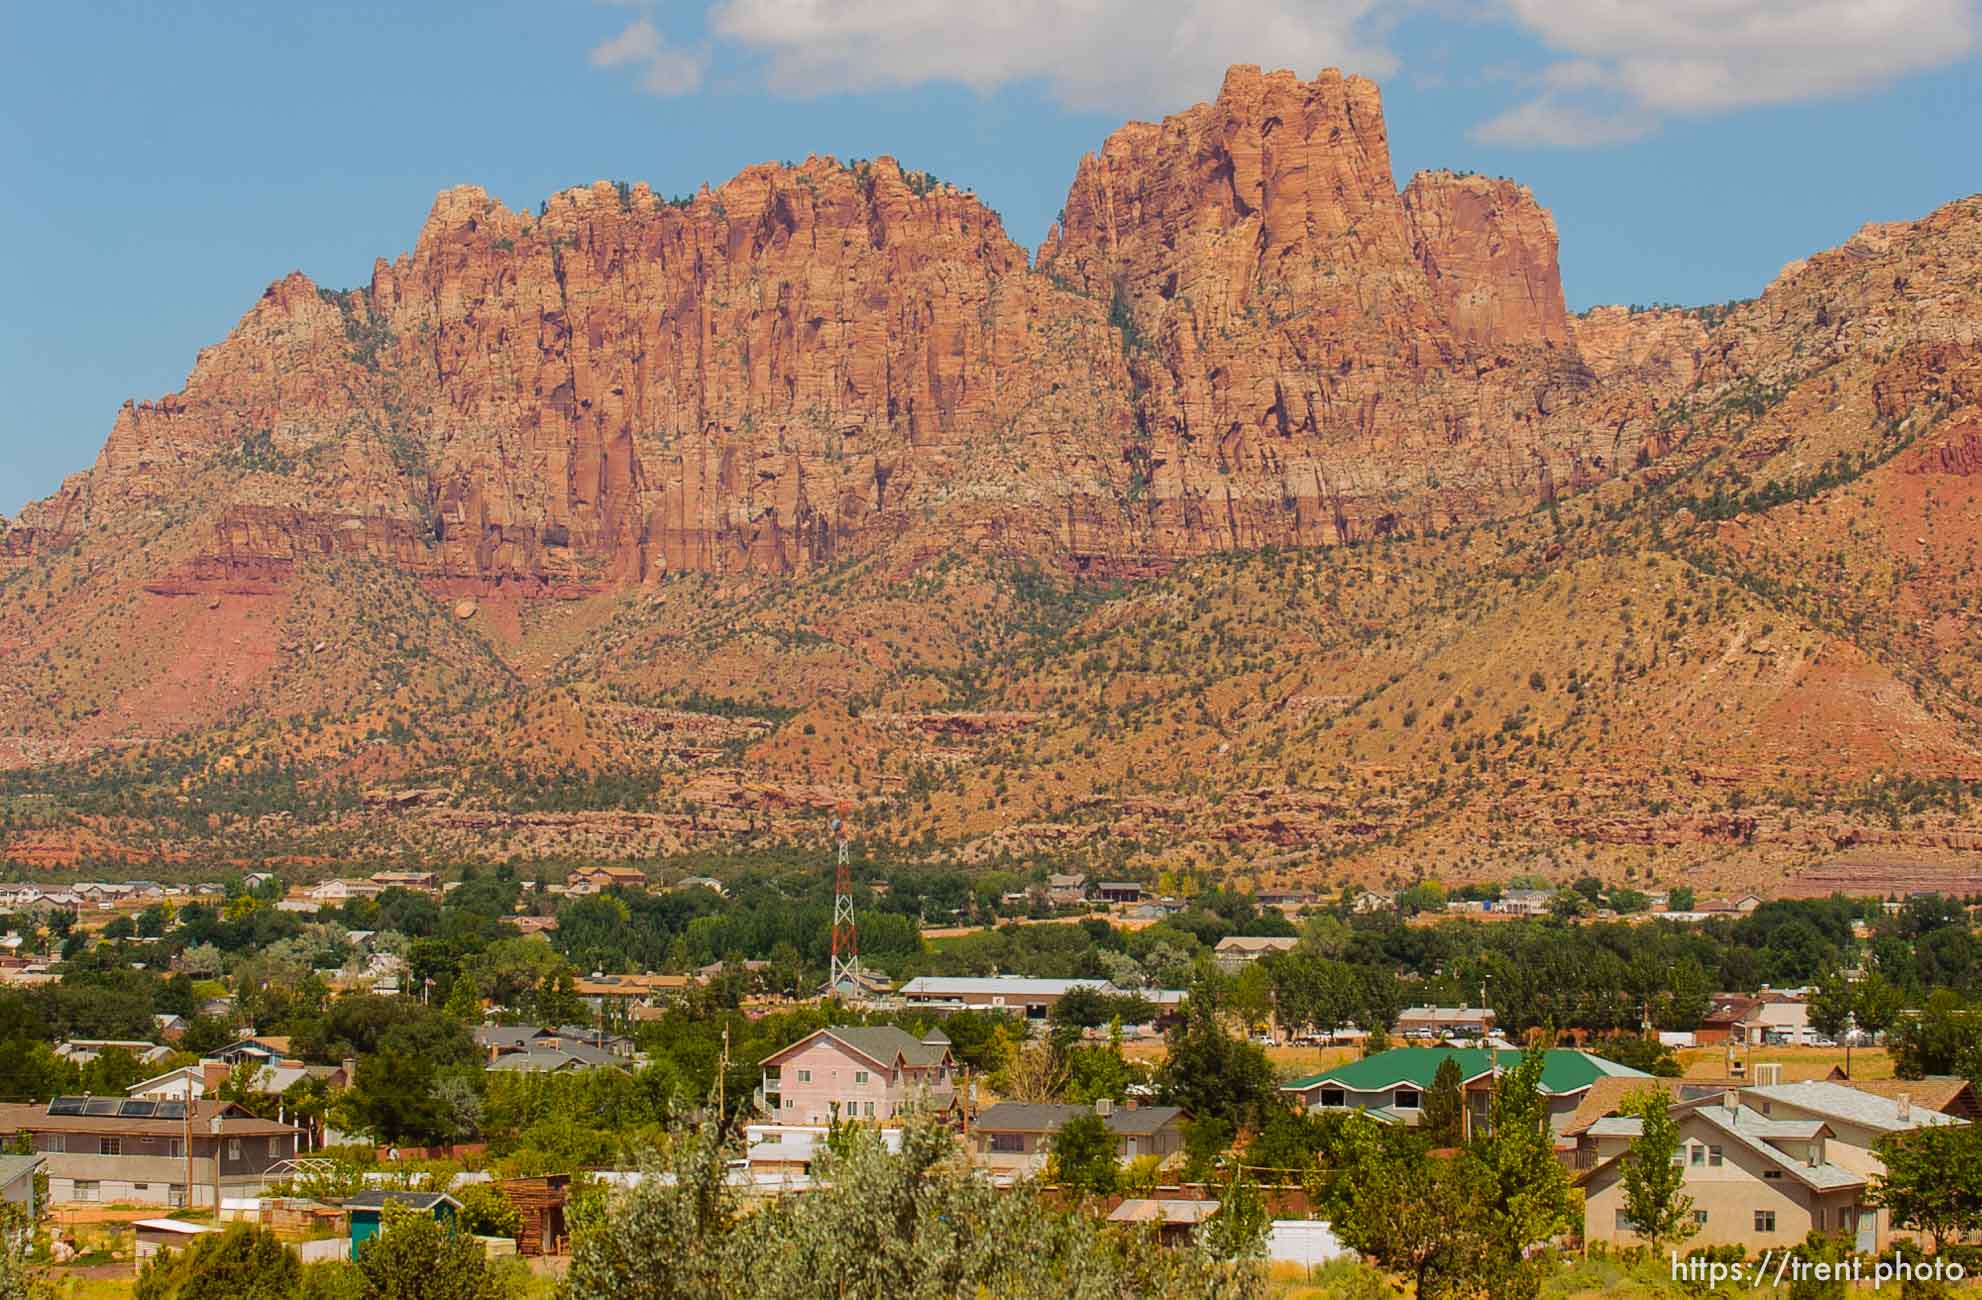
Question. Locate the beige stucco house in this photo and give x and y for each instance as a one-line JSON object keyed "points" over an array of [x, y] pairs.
{"points": [[1756, 1181]]}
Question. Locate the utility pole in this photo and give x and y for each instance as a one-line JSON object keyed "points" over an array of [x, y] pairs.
{"points": [[217, 1144], [722, 1071], [186, 1114]]}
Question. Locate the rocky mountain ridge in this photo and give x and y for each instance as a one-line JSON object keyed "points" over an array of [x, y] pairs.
{"points": [[1242, 333], [1271, 518]]}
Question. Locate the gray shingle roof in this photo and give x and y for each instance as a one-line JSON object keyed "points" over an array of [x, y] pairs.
{"points": [[1752, 1129], [1047, 1117], [1849, 1104], [883, 1042]]}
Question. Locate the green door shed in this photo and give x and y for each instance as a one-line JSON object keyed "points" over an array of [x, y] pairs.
{"points": [[367, 1211]]}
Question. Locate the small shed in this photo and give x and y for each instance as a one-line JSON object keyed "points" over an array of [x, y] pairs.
{"points": [[540, 1202], [1303, 1241], [1174, 1219], [367, 1211], [159, 1236]]}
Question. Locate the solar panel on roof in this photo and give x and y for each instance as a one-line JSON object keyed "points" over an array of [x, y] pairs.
{"points": [[171, 1110], [66, 1106], [102, 1105], [139, 1109]]}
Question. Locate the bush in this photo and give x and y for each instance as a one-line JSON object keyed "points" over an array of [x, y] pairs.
{"points": [[243, 1263], [486, 1212], [415, 1257]]}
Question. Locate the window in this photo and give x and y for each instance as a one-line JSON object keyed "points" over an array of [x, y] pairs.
{"points": [[805, 1076], [1008, 1141], [233, 1148], [1700, 1217], [1765, 1220], [86, 1189], [1696, 1154], [175, 1147], [56, 1144], [1407, 1099], [175, 1195], [1714, 1157], [1817, 1218], [1772, 1174], [108, 1146], [870, 1109], [1334, 1097], [1624, 1223], [860, 1076]]}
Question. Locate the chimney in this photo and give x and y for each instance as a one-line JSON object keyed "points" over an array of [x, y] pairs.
{"points": [[1905, 1108], [350, 1071], [1816, 1151], [1731, 1101], [1104, 1106]]}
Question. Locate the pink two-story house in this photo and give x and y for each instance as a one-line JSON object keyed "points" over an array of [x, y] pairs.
{"points": [[872, 1072]]}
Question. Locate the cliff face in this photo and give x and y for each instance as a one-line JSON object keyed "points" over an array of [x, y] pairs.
{"points": [[1320, 357], [1662, 345], [790, 364], [1242, 334], [1490, 252]]}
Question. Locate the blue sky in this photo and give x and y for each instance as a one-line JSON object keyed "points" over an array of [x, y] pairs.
{"points": [[164, 164]]}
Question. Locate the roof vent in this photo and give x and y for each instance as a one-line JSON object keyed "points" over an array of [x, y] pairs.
{"points": [[1104, 1106]]}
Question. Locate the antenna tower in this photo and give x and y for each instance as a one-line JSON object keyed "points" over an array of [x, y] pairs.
{"points": [[846, 942]]}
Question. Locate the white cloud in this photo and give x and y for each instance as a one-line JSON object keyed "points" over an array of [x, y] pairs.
{"points": [[1653, 59], [664, 70], [1549, 122], [1130, 56]]}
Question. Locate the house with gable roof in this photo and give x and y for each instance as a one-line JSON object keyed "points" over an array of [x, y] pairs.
{"points": [[866, 1072], [1756, 1181], [1391, 1086]]}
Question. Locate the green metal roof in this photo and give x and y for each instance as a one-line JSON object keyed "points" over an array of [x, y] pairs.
{"points": [[1564, 1071]]}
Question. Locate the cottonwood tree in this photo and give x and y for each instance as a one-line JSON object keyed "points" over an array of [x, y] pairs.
{"points": [[1834, 1009], [1653, 1201], [1083, 1156], [878, 1225], [1529, 1202], [1933, 1180], [1417, 1214]]}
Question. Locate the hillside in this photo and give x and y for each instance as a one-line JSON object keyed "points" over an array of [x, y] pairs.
{"points": [[1272, 520]]}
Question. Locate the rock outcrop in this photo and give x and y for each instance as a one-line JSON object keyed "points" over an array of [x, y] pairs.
{"points": [[1490, 252], [1662, 345], [1242, 333], [1320, 357]]}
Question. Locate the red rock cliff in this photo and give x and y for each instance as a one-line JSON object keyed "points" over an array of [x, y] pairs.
{"points": [[1490, 252], [1241, 334]]}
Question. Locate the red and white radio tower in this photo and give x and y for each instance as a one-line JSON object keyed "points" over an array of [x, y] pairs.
{"points": [[846, 941]]}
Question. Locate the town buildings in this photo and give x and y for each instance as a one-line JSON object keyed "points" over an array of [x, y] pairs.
{"points": [[1034, 998], [1444, 1022], [1235, 951]]}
